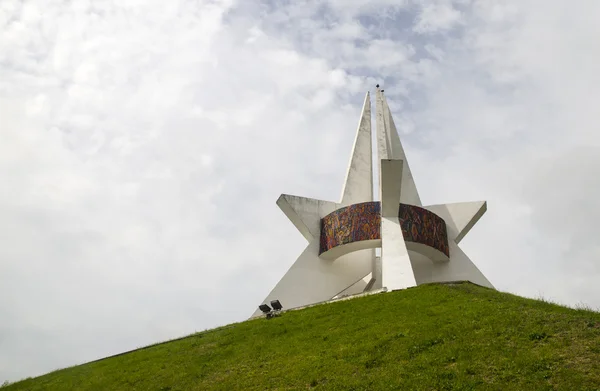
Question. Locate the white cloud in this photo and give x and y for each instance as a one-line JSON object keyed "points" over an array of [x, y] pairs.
{"points": [[437, 17], [144, 145]]}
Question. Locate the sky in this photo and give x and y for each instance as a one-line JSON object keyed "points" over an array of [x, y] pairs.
{"points": [[143, 144]]}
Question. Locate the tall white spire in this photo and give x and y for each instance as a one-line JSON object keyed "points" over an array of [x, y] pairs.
{"points": [[389, 147], [358, 186]]}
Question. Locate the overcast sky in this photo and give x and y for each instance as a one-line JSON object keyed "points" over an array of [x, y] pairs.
{"points": [[143, 144]]}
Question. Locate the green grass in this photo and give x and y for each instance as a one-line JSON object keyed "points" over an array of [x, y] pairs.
{"points": [[432, 337]]}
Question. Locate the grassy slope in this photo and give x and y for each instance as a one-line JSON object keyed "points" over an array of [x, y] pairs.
{"points": [[433, 337]]}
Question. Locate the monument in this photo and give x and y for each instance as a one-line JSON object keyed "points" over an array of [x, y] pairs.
{"points": [[418, 244]]}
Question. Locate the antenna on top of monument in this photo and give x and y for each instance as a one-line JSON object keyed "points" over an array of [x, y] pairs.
{"points": [[389, 147]]}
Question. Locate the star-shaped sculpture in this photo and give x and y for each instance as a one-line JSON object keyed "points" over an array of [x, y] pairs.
{"points": [[419, 244]]}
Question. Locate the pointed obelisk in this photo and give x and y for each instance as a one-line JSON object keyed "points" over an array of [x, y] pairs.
{"points": [[389, 147], [358, 186], [396, 185]]}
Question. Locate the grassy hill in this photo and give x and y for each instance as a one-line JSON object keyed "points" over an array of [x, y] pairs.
{"points": [[432, 337]]}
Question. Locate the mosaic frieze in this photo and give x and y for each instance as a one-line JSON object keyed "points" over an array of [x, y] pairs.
{"points": [[363, 222], [422, 226], [351, 224]]}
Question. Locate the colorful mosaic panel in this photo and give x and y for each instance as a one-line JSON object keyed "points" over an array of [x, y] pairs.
{"points": [[351, 224], [363, 222], [422, 226]]}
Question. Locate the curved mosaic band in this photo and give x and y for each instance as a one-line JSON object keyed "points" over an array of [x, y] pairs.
{"points": [[353, 223], [358, 226], [422, 226]]}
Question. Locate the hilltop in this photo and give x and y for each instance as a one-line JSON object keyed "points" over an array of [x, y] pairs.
{"points": [[432, 337]]}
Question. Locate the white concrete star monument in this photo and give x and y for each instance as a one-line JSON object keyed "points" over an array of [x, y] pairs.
{"points": [[419, 244]]}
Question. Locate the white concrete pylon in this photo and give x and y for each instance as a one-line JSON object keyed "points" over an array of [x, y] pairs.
{"points": [[376, 275], [358, 186], [390, 147], [395, 186], [391, 187], [396, 267]]}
